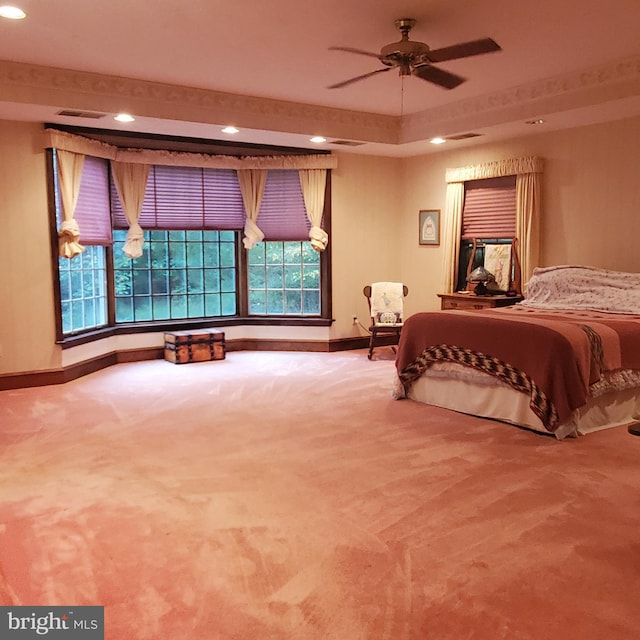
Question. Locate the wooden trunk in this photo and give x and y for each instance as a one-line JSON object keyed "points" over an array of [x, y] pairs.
{"points": [[198, 345]]}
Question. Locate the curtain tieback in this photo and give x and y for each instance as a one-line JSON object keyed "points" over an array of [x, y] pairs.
{"points": [[68, 236], [135, 240], [252, 234], [319, 238]]}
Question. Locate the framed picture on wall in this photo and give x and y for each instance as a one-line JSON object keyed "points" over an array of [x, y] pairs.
{"points": [[429, 227]]}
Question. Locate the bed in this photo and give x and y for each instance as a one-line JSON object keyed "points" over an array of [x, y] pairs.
{"points": [[565, 361]]}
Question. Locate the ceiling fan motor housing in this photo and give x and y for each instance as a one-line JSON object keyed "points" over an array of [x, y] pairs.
{"points": [[405, 52]]}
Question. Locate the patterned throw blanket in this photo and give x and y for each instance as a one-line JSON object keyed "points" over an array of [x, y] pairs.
{"points": [[553, 357]]}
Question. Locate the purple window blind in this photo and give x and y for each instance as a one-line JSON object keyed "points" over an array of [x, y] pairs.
{"points": [[283, 215], [489, 208], [187, 198], [92, 209]]}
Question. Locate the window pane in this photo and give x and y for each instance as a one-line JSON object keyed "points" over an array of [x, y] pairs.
{"points": [[158, 251], [66, 317], [275, 302], [293, 302], [159, 281], [142, 309], [284, 279], [76, 283], [227, 280], [211, 255], [178, 281], [309, 254], [161, 308], [257, 278], [311, 279], [292, 277], [82, 280], [194, 254], [123, 283], [292, 252], [176, 284], [179, 307], [273, 252], [142, 262], [212, 280], [227, 254], [65, 285], [212, 305], [256, 255], [177, 254], [311, 302], [195, 281], [124, 309], [228, 304], [141, 284], [258, 302], [196, 306], [274, 277]]}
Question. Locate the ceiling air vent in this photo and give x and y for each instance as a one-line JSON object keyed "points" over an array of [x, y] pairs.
{"points": [[81, 114], [464, 136], [347, 143]]}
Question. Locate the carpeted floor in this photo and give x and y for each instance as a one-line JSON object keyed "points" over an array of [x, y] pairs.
{"points": [[286, 496]]}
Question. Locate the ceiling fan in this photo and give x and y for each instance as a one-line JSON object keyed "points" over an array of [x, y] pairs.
{"points": [[414, 58]]}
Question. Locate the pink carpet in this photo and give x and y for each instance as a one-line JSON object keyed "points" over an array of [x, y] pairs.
{"points": [[286, 496]]}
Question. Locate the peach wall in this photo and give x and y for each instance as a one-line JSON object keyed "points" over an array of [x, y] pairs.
{"points": [[27, 329], [366, 214], [591, 207], [590, 200]]}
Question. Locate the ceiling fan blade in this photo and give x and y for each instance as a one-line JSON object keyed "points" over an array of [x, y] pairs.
{"points": [[357, 78], [358, 51], [463, 50], [437, 76]]}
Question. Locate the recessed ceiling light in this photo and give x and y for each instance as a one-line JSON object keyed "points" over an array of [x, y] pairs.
{"points": [[13, 13], [317, 139], [230, 129], [536, 121], [124, 117], [437, 141]]}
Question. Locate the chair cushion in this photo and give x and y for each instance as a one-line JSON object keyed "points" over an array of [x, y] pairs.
{"points": [[387, 317]]}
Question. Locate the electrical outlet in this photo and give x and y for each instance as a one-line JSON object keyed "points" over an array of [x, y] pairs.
{"points": [[355, 319]]}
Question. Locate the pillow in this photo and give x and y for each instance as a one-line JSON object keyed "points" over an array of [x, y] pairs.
{"points": [[583, 288]]}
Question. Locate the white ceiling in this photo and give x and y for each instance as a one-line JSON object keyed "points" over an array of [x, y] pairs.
{"points": [[568, 62]]}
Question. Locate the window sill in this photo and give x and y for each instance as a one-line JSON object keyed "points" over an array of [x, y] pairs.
{"points": [[180, 325]]}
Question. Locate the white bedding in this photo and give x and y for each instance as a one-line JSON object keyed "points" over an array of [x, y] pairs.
{"points": [[614, 402]]}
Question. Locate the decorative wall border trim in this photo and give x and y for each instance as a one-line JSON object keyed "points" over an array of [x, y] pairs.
{"points": [[63, 88], [618, 78], [35, 84]]}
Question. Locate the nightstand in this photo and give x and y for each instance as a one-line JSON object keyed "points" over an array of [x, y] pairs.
{"points": [[470, 301]]}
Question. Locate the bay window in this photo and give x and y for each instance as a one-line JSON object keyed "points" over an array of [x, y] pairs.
{"points": [[188, 264]]}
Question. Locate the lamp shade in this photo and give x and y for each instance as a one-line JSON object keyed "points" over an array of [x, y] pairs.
{"points": [[480, 274]]}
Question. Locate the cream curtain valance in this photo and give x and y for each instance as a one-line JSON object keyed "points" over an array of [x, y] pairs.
{"points": [[509, 167], [86, 146]]}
